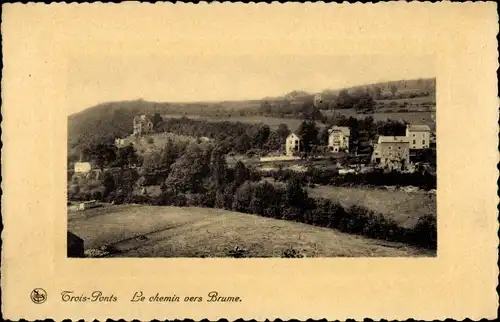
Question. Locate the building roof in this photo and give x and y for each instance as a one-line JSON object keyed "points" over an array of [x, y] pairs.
{"points": [[344, 129], [418, 128], [292, 134], [141, 118], [393, 139]]}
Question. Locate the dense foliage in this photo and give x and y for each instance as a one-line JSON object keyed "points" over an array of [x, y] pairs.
{"points": [[199, 176], [423, 179]]}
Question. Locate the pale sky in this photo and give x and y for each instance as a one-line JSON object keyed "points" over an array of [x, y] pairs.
{"points": [[228, 52], [193, 78]]}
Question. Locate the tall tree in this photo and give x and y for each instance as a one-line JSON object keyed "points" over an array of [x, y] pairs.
{"points": [[274, 142], [127, 157], [259, 135], [157, 119], [241, 173], [377, 92], [394, 89], [323, 136], [308, 132], [101, 154], [218, 168], [364, 104], [283, 131], [265, 107], [343, 101], [188, 171], [311, 112]]}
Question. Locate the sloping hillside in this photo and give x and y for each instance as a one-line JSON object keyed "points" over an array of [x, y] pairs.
{"points": [[105, 121], [149, 231], [114, 119]]}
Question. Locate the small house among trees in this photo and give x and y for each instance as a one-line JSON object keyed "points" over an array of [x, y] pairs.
{"points": [[338, 139], [292, 144]]}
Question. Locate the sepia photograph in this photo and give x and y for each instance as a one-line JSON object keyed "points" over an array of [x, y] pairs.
{"points": [[250, 156], [250, 161]]}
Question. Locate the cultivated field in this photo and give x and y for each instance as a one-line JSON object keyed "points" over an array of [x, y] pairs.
{"points": [[149, 231], [404, 207]]}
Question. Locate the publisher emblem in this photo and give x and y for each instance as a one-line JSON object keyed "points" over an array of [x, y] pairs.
{"points": [[38, 295]]}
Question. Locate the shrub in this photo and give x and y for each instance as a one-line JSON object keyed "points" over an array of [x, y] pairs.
{"points": [[425, 232], [291, 253], [237, 252]]}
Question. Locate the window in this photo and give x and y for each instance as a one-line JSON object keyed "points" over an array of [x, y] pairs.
{"points": [[423, 142], [390, 148], [296, 141], [399, 148], [413, 134], [414, 142]]}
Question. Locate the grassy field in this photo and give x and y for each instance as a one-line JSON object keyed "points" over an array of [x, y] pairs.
{"points": [[293, 124], [405, 208], [149, 231], [411, 117]]}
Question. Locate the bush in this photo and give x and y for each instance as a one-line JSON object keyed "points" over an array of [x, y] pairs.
{"points": [[96, 195], [291, 253], [237, 252], [425, 232]]}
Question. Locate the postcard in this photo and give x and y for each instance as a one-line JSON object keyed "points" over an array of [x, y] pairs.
{"points": [[254, 161]]}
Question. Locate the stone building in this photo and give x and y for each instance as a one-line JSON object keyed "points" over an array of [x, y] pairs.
{"points": [[142, 125], [419, 136], [392, 152]]}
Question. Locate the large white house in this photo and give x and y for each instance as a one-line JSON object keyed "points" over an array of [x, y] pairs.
{"points": [[418, 136], [338, 139], [292, 144]]}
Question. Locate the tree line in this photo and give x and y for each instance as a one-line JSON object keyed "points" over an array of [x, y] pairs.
{"points": [[422, 178], [198, 175], [244, 138]]}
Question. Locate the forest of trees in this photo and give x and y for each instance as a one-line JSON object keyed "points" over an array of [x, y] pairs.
{"points": [[197, 175], [242, 138]]}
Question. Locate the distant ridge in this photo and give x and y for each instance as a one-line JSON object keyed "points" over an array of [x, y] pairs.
{"points": [[107, 121]]}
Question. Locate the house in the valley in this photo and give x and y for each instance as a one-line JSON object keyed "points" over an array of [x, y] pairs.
{"points": [[392, 152], [83, 167], [119, 142], [318, 99], [292, 144], [142, 125], [419, 136], [338, 139]]}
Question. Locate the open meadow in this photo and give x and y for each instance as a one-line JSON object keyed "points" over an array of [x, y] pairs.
{"points": [[159, 231], [294, 123], [403, 207]]}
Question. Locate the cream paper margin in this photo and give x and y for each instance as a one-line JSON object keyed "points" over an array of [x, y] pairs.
{"points": [[460, 283]]}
